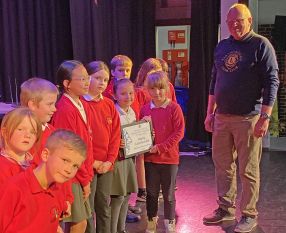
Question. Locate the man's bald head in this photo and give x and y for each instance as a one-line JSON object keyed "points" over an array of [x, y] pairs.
{"points": [[239, 20]]}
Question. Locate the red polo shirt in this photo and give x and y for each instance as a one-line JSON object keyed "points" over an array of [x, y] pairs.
{"points": [[38, 147], [26, 207], [36, 151], [9, 168]]}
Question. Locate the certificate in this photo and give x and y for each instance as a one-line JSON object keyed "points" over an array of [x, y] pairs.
{"points": [[137, 137]]}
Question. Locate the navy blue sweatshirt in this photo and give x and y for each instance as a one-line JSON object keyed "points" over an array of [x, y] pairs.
{"points": [[244, 75]]}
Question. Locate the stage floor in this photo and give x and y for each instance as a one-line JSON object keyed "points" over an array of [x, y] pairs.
{"points": [[196, 197]]}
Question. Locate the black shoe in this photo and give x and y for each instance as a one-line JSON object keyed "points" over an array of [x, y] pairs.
{"points": [[218, 216], [141, 195]]}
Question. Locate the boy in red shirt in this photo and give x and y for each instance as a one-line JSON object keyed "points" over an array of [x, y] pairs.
{"points": [[30, 202], [121, 67]]}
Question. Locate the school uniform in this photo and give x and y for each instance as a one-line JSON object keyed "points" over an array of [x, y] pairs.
{"points": [[36, 150], [10, 167], [109, 94], [144, 97], [124, 173], [124, 180], [106, 128], [161, 167], [26, 207], [72, 116]]}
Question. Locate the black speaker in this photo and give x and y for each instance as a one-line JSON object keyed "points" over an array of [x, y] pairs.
{"points": [[279, 33]]}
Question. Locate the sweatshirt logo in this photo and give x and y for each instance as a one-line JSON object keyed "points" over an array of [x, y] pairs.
{"points": [[230, 61]]}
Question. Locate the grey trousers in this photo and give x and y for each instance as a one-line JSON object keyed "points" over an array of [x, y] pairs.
{"points": [[119, 208], [100, 203]]}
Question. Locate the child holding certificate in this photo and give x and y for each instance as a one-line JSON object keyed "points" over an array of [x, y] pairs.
{"points": [[124, 173], [161, 163]]}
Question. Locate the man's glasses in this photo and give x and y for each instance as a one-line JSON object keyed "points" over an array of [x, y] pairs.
{"points": [[239, 21]]}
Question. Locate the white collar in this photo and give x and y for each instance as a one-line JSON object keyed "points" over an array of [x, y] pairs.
{"points": [[77, 104], [96, 99], [164, 105]]}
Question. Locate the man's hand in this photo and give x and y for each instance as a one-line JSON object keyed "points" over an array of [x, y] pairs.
{"points": [[261, 127], [209, 122]]}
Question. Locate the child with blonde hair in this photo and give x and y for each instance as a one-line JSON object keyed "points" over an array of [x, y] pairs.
{"points": [[151, 64], [32, 201], [161, 163], [106, 127], [20, 130], [121, 67], [40, 96], [143, 98]]}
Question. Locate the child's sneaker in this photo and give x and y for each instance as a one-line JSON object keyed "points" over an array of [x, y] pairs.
{"points": [[141, 195], [130, 218], [160, 194], [135, 209], [152, 225], [170, 225]]}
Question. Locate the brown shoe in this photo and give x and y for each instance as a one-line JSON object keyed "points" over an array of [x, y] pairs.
{"points": [[218, 216]]}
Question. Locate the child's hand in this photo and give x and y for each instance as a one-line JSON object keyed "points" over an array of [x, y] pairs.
{"points": [[154, 149], [105, 166], [86, 191], [60, 230], [122, 143], [153, 134], [67, 213], [97, 164], [147, 118]]}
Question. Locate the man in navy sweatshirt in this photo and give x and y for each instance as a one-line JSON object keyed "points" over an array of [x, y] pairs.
{"points": [[242, 92]]}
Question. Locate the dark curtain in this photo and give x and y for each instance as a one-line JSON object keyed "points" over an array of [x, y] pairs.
{"points": [[35, 36], [110, 27], [204, 37]]}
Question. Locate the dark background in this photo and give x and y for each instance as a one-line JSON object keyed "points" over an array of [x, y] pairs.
{"points": [[37, 35]]}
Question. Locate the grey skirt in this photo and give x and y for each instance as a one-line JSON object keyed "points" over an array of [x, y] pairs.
{"points": [[124, 179], [80, 209]]}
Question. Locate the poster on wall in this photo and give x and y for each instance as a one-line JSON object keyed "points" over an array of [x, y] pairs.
{"points": [[173, 45]]}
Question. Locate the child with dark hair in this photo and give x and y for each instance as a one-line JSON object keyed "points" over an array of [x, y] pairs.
{"points": [[73, 113]]}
